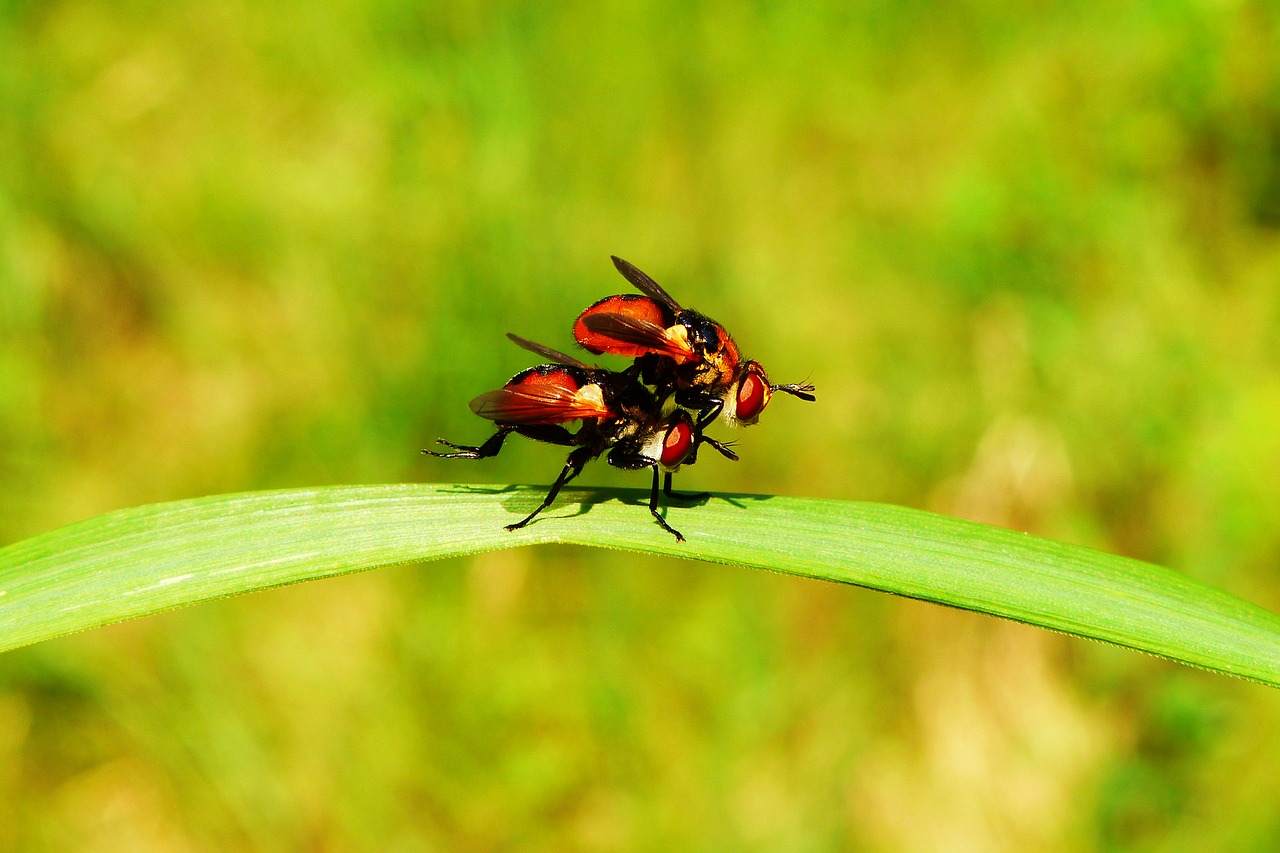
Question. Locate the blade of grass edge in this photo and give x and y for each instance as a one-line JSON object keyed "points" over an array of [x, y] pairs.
{"points": [[143, 560]]}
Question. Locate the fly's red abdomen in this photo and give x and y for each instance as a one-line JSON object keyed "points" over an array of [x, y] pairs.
{"points": [[633, 326], [637, 309]]}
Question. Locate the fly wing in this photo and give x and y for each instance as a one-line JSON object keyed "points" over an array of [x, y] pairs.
{"points": [[548, 394], [546, 351], [631, 326], [632, 337], [640, 309], [644, 284]]}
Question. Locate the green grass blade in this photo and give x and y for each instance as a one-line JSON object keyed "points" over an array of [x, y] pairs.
{"points": [[143, 560]]}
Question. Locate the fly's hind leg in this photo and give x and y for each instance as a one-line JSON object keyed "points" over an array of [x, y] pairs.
{"points": [[549, 433], [467, 451], [572, 468]]}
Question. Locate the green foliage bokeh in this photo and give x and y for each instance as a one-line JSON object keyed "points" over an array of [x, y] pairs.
{"points": [[1028, 255]]}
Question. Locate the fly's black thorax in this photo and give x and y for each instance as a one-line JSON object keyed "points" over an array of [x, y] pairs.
{"points": [[630, 439], [705, 334], [717, 356], [634, 407]]}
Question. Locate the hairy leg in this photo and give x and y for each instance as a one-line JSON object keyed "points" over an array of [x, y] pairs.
{"points": [[467, 451], [572, 468], [653, 508]]}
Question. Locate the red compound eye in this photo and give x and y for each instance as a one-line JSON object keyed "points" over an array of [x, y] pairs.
{"points": [[676, 446], [752, 396]]}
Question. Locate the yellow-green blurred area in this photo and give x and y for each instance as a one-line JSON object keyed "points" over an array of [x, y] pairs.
{"points": [[1028, 253]]}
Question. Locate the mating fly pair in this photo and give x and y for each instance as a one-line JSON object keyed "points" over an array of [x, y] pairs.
{"points": [[687, 373]]}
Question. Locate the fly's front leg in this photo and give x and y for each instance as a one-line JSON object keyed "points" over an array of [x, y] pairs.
{"points": [[710, 409], [666, 490], [466, 451], [706, 406], [628, 459], [572, 468], [653, 507], [721, 447]]}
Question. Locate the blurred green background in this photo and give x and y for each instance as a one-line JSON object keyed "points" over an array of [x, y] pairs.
{"points": [[1029, 253]]}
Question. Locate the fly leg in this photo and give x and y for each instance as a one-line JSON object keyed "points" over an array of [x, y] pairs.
{"points": [[709, 409], [466, 451], [572, 468], [550, 433], [653, 507], [720, 446], [628, 460]]}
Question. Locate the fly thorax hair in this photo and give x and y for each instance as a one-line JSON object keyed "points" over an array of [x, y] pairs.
{"points": [[628, 430]]}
